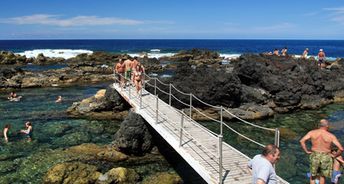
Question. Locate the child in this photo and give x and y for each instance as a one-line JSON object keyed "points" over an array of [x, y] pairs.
{"points": [[337, 163]]}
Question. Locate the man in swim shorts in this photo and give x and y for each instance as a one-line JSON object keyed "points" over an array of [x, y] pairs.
{"points": [[128, 70], [321, 162]]}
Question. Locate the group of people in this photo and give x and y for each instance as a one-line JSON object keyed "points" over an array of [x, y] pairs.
{"points": [[130, 71], [276, 52], [28, 125], [325, 158], [27, 131], [13, 97], [321, 55]]}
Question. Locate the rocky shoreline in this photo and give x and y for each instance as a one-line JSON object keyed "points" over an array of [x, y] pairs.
{"points": [[251, 87]]}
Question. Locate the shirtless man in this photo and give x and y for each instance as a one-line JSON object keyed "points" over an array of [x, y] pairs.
{"points": [[134, 64], [119, 71], [320, 154], [321, 57], [276, 52], [128, 65]]}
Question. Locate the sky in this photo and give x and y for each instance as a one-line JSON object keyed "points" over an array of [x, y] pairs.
{"points": [[172, 19]]}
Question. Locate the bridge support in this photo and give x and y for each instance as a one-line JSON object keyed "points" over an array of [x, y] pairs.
{"points": [[129, 91], [191, 105], [181, 130], [155, 86], [277, 137], [141, 98], [170, 95], [220, 160], [157, 110]]}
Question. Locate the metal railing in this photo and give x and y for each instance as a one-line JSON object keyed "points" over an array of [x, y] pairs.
{"points": [[171, 88]]}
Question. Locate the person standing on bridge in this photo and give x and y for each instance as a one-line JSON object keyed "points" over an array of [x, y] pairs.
{"points": [[321, 158], [262, 165]]}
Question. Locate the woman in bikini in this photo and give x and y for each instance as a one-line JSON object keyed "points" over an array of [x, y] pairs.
{"points": [[138, 73]]}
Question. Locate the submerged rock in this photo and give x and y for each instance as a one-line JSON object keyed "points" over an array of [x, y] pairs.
{"points": [[163, 178], [119, 175], [72, 139], [74, 172]]}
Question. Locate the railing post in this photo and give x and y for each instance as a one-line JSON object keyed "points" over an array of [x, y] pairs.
{"points": [[157, 110], [181, 130], [221, 119], [170, 94], [154, 86], [141, 98], [129, 91], [190, 105], [220, 159], [144, 81], [277, 137]]}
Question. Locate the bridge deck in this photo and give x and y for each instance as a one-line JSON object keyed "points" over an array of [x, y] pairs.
{"points": [[199, 147]]}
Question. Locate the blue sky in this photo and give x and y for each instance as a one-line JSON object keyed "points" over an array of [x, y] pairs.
{"points": [[170, 19]]}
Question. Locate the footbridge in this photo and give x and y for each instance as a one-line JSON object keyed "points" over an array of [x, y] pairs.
{"points": [[204, 150]]}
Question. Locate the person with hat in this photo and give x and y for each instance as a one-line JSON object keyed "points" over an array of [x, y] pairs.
{"points": [[321, 57], [305, 54]]}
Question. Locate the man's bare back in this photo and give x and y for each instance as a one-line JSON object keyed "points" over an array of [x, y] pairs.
{"points": [[127, 64], [321, 140]]}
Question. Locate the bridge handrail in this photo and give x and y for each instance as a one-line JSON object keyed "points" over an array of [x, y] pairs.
{"points": [[262, 145], [180, 101], [162, 91], [215, 120], [205, 103], [220, 135], [244, 121], [181, 92], [191, 121], [162, 82], [212, 119]]}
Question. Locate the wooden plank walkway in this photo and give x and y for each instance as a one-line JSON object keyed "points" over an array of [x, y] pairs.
{"points": [[199, 146]]}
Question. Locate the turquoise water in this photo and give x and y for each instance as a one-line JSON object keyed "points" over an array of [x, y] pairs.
{"points": [[53, 132], [294, 163], [31, 67]]}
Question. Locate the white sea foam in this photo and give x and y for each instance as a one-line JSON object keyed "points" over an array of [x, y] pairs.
{"points": [[316, 57], [53, 53], [230, 56], [152, 55]]}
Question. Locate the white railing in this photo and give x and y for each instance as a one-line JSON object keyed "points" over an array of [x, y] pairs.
{"points": [[148, 80]]}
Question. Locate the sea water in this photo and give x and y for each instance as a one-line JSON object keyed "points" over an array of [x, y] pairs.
{"points": [[53, 131], [227, 48]]}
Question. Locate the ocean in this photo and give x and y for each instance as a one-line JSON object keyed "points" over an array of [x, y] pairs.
{"points": [[228, 48]]}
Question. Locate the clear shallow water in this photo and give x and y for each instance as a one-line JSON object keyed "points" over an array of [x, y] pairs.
{"points": [[294, 163], [35, 68], [53, 131]]}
